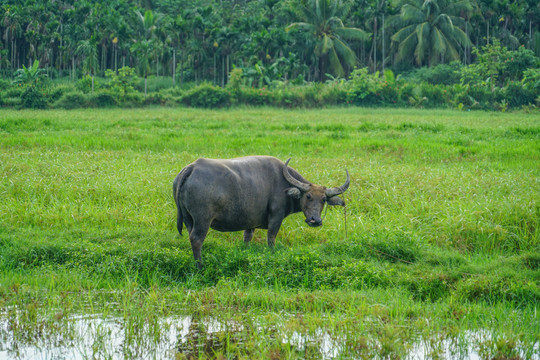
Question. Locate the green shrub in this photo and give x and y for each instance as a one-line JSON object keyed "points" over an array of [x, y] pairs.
{"points": [[57, 91], [122, 84], [388, 93], [171, 96], [474, 97], [485, 96], [71, 100], [289, 98], [33, 98], [207, 96], [156, 98], [495, 65], [101, 99], [405, 91], [312, 94], [361, 87], [255, 97], [436, 96], [372, 89], [14, 91], [84, 84], [531, 80], [172, 92], [442, 74], [516, 62], [518, 95], [130, 99], [14, 102], [235, 80], [4, 84]]}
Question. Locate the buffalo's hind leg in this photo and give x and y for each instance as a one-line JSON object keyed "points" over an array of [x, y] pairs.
{"points": [[248, 235], [188, 221], [196, 237], [183, 217]]}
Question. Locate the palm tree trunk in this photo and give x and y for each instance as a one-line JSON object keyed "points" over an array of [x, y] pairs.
{"points": [[530, 34], [374, 46], [467, 49], [215, 69], [487, 32], [174, 68], [181, 69], [383, 43], [12, 55], [222, 71], [363, 53], [103, 57], [145, 83], [227, 69]]}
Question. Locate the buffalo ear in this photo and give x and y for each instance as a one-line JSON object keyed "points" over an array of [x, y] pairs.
{"points": [[294, 193], [335, 200]]}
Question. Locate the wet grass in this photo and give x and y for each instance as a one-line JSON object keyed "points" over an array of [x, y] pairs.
{"points": [[440, 239]]}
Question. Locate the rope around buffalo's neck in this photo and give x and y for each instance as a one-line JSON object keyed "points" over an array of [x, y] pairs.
{"points": [[345, 215]]}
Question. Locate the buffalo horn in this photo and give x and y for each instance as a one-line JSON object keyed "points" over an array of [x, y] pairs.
{"points": [[339, 190], [296, 183]]}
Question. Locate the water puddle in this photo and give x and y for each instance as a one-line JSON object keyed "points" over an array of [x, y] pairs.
{"points": [[187, 337]]}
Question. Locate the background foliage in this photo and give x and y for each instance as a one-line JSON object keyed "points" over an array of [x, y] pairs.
{"points": [[203, 40]]}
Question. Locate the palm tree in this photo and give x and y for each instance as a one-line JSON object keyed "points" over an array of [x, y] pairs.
{"points": [[146, 48], [88, 49], [429, 30], [12, 23], [143, 50], [376, 11], [323, 25]]}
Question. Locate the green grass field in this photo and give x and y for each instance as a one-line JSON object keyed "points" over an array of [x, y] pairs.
{"points": [[438, 253]]}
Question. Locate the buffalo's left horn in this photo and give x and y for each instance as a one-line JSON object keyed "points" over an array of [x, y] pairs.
{"points": [[339, 190], [296, 183]]}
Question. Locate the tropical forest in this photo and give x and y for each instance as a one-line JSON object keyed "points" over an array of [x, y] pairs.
{"points": [[466, 54]]}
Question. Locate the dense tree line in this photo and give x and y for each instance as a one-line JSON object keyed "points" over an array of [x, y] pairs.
{"points": [[293, 40]]}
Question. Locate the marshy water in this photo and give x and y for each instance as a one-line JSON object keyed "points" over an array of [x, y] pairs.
{"points": [[187, 337]]}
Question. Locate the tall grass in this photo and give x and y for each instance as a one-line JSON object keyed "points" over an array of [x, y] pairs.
{"points": [[440, 233]]}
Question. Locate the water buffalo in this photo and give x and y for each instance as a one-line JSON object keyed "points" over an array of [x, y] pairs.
{"points": [[244, 194]]}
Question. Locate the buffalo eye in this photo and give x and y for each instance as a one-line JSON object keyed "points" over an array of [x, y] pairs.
{"points": [[324, 199], [308, 196]]}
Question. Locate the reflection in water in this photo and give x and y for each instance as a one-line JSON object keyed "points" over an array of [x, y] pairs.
{"points": [[193, 337], [209, 337]]}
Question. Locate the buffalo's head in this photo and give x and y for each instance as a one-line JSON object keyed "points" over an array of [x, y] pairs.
{"points": [[313, 197]]}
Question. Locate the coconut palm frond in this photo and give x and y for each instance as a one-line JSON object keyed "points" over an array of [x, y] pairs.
{"points": [[402, 34], [345, 52], [335, 63], [407, 46], [353, 34]]}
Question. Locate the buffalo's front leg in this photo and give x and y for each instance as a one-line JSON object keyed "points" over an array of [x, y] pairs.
{"points": [[248, 235], [273, 228]]}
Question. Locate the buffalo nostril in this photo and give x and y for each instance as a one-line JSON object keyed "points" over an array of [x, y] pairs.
{"points": [[313, 221]]}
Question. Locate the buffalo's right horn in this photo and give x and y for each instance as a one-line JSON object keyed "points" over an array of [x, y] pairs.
{"points": [[296, 183], [339, 190]]}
